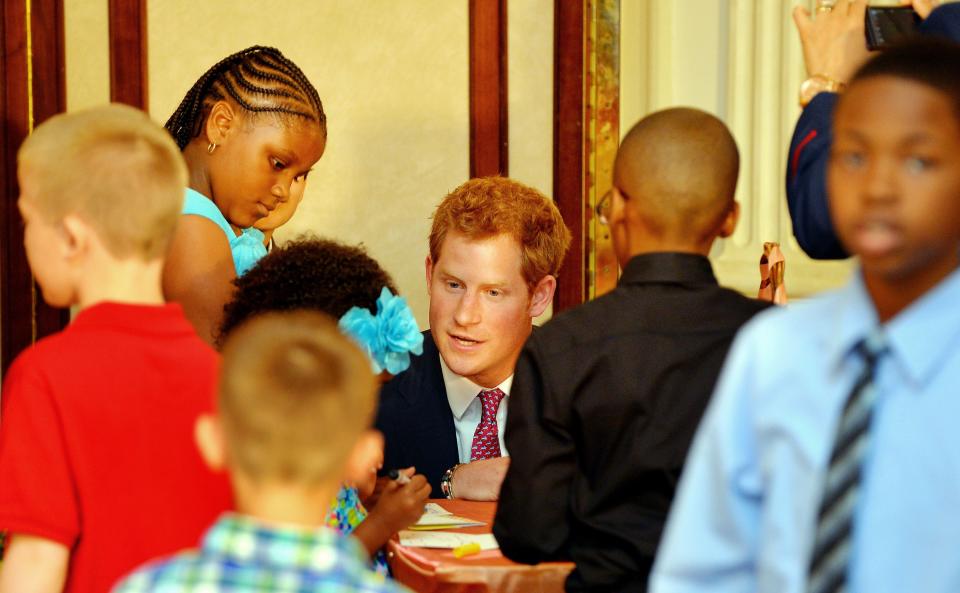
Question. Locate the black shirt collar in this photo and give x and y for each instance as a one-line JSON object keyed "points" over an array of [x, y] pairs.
{"points": [[671, 267]]}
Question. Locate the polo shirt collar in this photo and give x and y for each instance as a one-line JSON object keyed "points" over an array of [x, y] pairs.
{"points": [[167, 318], [461, 391], [668, 267]]}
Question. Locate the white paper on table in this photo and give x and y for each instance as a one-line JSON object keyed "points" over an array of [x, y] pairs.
{"points": [[432, 508], [436, 517], [446, 539]]}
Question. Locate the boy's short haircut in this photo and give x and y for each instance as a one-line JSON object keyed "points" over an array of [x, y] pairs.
{"points": [[933, 62], [489, 206], [295, 395], [114, 168], [678, 167]]}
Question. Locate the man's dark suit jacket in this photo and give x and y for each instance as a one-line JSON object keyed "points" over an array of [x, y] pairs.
{"points": [[604, 404], [416, 421]]}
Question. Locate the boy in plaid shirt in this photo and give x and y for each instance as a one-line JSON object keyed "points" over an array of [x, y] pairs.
{"points": [[295, 405]]}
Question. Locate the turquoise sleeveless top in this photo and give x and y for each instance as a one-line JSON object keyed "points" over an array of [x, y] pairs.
{"points": [[247, 249]]}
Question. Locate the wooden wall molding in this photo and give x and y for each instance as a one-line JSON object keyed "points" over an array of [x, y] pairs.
{"points": [[128, 52], [568, 141], [33, 51], [489, 150]]}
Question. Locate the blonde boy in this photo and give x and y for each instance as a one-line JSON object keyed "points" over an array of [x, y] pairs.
{"points": [[296, 400], [96, 456]]}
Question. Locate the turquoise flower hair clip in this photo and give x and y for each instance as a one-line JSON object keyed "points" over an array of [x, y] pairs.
{"points": [[388, 337]]}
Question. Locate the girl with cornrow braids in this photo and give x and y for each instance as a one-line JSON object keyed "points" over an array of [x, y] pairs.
{"points": [[248, 128]]}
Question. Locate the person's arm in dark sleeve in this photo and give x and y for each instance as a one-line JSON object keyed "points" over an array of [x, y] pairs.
{"points": [[807, 180], [532, 524], [943, 22]]}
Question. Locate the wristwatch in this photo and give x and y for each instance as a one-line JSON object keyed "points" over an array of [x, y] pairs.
{"points": [[446, 481], [816, 84]]}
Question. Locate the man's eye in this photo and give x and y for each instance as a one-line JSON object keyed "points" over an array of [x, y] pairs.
{"points": [[495, 292], [453, 285]]}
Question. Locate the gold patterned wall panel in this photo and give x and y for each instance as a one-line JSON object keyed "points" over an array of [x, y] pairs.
{"points": [[602, 93]]}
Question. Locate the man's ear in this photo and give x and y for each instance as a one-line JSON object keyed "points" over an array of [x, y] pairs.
{"points": [[730, 221], [428, 264], [208, 435], [542, 295], [221, 119]]}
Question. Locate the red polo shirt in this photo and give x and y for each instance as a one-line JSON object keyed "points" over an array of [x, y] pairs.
{"points": [[96, 440]]}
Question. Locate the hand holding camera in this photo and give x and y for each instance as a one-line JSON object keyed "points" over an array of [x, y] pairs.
{"points": [[838, 38], [833, 39]]}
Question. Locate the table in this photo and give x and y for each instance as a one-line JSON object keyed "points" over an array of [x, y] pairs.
{"points": [[427, 570]]}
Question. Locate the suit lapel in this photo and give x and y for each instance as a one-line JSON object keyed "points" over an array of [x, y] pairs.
{"points": [[433, 435]]}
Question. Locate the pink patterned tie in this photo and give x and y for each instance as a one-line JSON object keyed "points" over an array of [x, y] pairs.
{"points": [[486, 441]]}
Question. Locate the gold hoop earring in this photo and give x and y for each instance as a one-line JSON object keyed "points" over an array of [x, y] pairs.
{"points": [[211, 147]]}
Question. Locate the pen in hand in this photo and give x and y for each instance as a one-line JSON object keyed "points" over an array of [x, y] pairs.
{"points": [[398, 476]]}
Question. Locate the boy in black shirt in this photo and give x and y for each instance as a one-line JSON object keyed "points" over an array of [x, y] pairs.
{"points": [[608, 395]]}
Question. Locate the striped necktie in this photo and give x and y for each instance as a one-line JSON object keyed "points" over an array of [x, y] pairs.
{"points": [[831, 549]]}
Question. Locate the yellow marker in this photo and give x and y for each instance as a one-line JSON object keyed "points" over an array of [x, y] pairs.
{"points": [[466, 550]]}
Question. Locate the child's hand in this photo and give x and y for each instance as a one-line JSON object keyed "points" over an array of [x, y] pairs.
{"points": [[397, 506], [400, 506], [381, 483]]}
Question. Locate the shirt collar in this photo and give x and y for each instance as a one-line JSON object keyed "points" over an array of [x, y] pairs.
{"points": [[246, 540], [853, 319], [461, 391], [919, 337], [668, 267], [158, 319], [924, 333]]}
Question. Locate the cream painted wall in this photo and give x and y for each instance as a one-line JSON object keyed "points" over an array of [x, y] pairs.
{"points": [[87, 53], [741, 60], [530, 92]]}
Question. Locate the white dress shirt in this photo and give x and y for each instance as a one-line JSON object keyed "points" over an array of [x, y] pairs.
{"points": [[464, 398]]}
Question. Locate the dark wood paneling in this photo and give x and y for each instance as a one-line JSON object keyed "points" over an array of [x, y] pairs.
{"points": [[24, 316], [128, 52], [489, 153], [16, 283], [568, 142], [49, 98]]}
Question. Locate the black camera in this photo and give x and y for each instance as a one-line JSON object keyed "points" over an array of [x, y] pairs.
{"points": [[887, 25]]}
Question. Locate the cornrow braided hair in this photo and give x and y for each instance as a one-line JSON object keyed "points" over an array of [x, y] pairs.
{"points": [[259, 79]]}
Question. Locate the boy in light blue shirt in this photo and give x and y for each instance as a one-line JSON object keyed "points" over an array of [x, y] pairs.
{"points": [[828, 460]]}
